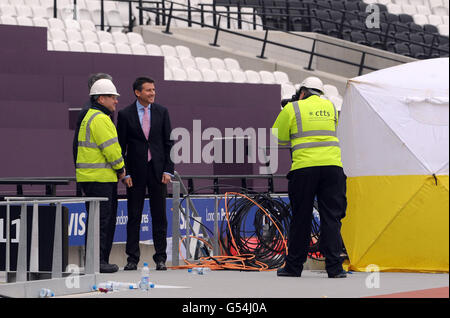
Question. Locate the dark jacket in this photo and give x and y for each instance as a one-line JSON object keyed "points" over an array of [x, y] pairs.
{"points": [[135, 146]]}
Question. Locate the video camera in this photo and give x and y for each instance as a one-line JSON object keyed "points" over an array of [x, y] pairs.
{"points": [[294, 98]]}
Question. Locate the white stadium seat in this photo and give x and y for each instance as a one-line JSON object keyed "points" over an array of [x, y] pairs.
{"points": [[76, 46], [123, 48], [231, 64], [330, 90], [183, 51], [135, 38], [120, 37], [138, 49], [178, 74], [8, 20], [172, 62], [153, 49], [106, 47], [267, 77], [239, 76], [281, 77], [188, 62], [60, 45], [252, 77], [92, 47], [25, 21], [168, 50], [287, 90], [74, 35], [224, 76], [202, 63], [104, 36], [209, 75], [89, 36], [87, 25], [217, 64], [193, 74]]}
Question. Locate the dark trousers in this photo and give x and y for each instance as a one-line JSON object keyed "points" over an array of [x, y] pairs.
{"points": [[136, 197], [328, 183], [108, 213]]}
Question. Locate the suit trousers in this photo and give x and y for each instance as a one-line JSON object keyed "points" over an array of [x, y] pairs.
{"points": [[136, 197], [108, 213], [328, 183]]}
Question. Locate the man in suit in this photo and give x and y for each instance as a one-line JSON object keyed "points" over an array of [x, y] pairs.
{"points": [[144, 135]]}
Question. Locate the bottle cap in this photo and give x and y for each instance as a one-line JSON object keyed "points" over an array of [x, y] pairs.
{"points": [[152, 285], [189, 270], [145, 264]]}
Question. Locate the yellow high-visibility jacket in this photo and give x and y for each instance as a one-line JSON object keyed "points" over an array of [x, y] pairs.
{"points": [[99, 153], [309, 125]]}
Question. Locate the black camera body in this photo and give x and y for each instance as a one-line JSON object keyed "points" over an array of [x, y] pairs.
{"points": [[294, 98]]}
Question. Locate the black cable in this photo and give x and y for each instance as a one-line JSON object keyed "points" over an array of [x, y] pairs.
{"points": [[264, 240]]}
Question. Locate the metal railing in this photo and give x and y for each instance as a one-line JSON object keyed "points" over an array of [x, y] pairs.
{"points": [[92, 263], [361, 66]]}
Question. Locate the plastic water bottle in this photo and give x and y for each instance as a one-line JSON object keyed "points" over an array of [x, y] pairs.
{"points": [[199, 270], [144, 283], [112, 286], [46, 293]]}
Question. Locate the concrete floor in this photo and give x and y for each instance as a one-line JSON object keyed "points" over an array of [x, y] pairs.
{"points": [[240, 284]]}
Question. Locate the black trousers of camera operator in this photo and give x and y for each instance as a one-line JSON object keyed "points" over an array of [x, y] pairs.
{"points": [[328, 183]]}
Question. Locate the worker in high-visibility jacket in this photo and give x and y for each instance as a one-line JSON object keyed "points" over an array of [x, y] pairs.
{"points": [[308, 125], [99, 162]]}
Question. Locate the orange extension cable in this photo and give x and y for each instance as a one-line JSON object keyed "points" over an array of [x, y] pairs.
{"points": [[230, 262]]}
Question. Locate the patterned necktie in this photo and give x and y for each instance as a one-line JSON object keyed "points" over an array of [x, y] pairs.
{"points": [[146, 128]]}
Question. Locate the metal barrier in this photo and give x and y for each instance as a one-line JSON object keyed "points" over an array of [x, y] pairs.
{"points": [[92, 265]]}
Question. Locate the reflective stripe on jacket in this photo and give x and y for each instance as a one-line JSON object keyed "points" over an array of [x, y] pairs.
{"points": [[309, 126], [99, 153]]}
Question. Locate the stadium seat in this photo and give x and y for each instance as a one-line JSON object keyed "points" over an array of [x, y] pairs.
{"points": [[89, 36], [104, 36], [178, 74], [72, 24], [443, 29], [167, 74], [217, 64], [209, 75], [106, 47], [119, 37], [188, 62], [238, 76], [153, 49], [202, 63], [172, 62], [76, 46], [193, 74], [123, 48], [57, 34], [134, 38], [8, 10], [267, 77], [287, 90], [169, 50], [59, 45], [281, 77], [39, 12], [87, 25], [8, 20], [93, 47], [330, 90], [252, 77], [231, 64], [40, 22], [183, 51], [74, 35], [24, 11], [55, 23], [417, 51], [224, 75], [25, 21], [138, 49]]}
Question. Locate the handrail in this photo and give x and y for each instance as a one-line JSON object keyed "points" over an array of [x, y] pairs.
{"points": [[92, 247], [312, 53]]}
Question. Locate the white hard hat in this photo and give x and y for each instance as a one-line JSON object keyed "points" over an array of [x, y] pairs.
{"points": [[103, 86], [312, 83]]}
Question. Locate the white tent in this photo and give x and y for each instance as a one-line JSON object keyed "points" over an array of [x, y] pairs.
{"points": [[394, 134]]}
